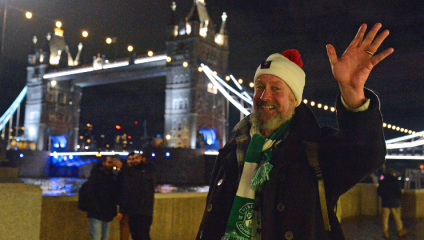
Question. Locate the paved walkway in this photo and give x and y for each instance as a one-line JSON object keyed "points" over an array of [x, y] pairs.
{"points": [[369, 228]]}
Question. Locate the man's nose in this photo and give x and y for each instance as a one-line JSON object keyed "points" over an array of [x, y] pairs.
{"points": [[266, 95]]}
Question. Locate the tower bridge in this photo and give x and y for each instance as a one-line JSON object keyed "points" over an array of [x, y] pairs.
{"points": [[52, 105]]}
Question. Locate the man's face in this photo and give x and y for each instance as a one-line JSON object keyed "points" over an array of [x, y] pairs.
{"points": [[108, 164], [273, 102], [138, 158], [130, 160]]}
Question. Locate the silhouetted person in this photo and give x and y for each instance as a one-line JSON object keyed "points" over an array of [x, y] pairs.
{"points": [[390, 192], [123, 215], [139, 195], [102, 195]]}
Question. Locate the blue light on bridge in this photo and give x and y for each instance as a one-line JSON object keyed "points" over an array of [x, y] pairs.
{"points": [[21, 155], [167, 154], [153, 154]]}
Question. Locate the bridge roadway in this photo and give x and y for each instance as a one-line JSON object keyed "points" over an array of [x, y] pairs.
{"points": [[115, 72]]}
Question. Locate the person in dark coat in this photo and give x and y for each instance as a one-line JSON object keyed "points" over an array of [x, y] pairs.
{"points": [[104, 197], [139, 195], [123, 217], [281, 175], [390, 192]]}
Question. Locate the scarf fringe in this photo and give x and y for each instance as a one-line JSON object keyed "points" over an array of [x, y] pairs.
{"points": [[261, 175], [233, 236]]}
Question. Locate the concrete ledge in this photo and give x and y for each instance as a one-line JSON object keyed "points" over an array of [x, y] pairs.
{"points": [[175, 216], [413, 203], [21, 211], [361, 200], [9, 175]]}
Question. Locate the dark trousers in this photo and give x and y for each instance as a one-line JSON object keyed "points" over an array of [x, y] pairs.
{"points": [[140, 227]]}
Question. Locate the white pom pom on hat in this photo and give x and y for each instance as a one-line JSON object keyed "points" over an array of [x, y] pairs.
{"points": [[288, 67]]}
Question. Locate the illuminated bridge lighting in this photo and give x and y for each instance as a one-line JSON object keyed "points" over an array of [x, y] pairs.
{"points": [[405, 137], [12, 109], [211, 152], [68, 72], [208, 70], [54, 154], [404, 157], [235, 82], [105, 66], [211, 77], [405, 145]]}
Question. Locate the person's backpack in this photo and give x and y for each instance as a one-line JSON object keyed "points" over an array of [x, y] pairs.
{"points": [[85, 202]]}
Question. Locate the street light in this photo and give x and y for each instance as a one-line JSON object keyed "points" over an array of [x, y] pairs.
{"points": [[85, 34], [130, 48], [28, 15], [59, 24], [108, 40]]}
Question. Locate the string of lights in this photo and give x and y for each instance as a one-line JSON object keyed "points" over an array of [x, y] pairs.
{"points": [[385, 125]]}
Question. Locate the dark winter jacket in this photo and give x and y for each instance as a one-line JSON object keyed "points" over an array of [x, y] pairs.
{"points": [[390, 192], [104, 194], [138, 189], [290, 206]]}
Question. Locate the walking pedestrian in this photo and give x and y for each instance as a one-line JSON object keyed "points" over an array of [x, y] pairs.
{"points": [[390, 192]]}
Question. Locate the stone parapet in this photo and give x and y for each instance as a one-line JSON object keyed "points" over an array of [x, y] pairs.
{"points": [[177, 216], [9, 175], [20, 205]]}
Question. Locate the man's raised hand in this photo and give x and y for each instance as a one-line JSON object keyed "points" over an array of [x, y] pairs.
{"points": [[353, 68]]}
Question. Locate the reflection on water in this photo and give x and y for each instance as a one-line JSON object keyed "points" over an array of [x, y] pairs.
{"points": [[70, 186], [57, 186]]}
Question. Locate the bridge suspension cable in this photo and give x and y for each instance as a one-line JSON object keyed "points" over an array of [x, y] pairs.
{"points": [[12, 109]]}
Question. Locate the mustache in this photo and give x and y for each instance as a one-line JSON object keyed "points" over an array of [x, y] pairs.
{"points": [[267, 104]]}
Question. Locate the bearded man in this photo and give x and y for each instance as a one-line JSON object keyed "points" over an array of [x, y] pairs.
{"points": [[281, 175]]}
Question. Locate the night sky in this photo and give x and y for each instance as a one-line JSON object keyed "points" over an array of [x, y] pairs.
{"points": [[256, 29]]}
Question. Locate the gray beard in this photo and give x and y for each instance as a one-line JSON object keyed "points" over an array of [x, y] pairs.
{"points": [[275, 122]]}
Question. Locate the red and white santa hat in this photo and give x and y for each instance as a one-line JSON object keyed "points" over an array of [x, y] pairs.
{"points": [[288, 67]]}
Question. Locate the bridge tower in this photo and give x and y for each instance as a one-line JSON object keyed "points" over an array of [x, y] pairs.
{"points": [[191, 106], [52, 108]]}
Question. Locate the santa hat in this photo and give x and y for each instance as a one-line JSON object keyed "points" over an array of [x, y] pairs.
{"points": [[288, 67]]}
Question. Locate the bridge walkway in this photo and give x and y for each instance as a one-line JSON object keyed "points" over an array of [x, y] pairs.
{"points": [[369, 228]]}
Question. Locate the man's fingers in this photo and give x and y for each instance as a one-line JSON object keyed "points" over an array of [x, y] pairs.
{"points": [[332, 55], [378, 41], [356, 42], [378, 58], [371, 35]]}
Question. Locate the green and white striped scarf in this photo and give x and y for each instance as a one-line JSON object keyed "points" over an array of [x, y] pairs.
{"points": [[255, 172]]}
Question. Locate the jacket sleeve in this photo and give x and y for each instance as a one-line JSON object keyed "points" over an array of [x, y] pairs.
{"points": [[356, 150], [120, 184]]}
